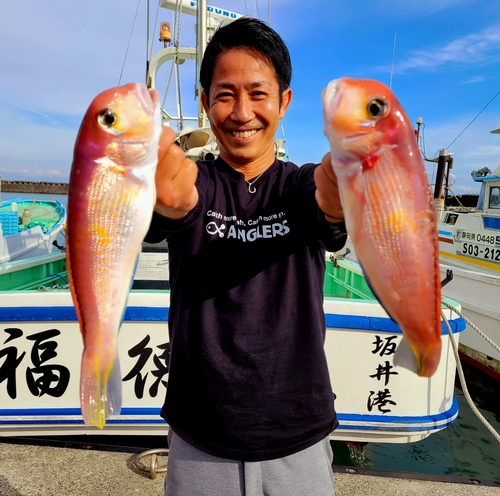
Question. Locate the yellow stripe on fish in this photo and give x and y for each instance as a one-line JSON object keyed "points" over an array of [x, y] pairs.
{"points": [[388, 211], [110, 203]]}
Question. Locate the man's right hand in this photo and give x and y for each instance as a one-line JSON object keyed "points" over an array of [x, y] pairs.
{"points": [[176, 193]]}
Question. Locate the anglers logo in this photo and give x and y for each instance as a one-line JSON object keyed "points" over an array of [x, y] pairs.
{"points": [[213, 228], [264, 227]]}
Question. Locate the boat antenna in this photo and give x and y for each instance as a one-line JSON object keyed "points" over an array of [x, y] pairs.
{"points": [[481, 111], [128, 44], [392, 67]]}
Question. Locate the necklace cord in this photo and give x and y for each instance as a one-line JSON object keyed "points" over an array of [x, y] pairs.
{"points": [[251, 187]]}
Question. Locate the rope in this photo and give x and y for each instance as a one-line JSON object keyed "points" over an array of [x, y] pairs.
{"points": [[154, 30], [128, 44], [256, 6], [481, 333], [56, 287], [462, 380], [484, 108]]}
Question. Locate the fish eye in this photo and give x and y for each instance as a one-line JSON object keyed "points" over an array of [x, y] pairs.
{"points": [[377, 107], [106, 118]]}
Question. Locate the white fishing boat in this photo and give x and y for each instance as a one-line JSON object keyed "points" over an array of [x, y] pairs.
{"points": [[28, 228], [469, 245], [40, 342], [41, 346], [471, 239]]}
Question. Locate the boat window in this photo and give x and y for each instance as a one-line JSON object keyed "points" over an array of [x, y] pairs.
{"points": [[495, 197], [480, 200]]}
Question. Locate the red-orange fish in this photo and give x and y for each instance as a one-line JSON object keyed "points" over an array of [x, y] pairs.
{"points": [[110, 204], [388, 210]]}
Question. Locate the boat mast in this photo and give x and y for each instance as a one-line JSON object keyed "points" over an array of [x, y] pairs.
{"points": [[178, 54], [147, 41], [201, 43]]}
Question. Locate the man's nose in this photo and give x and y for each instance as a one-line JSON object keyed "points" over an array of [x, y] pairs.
{"points": [[242, 109]]}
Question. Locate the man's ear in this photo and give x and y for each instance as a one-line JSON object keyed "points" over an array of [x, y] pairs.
{"points": [[204, 101], [286, 98]]}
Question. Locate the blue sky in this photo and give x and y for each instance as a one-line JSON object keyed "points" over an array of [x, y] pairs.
{"points": [[58, 54]]}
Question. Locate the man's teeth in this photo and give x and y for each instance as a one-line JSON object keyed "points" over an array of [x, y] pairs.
{"points": [[243, 134]]}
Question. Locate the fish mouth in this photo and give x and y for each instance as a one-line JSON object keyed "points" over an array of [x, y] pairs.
{"points": [[155, 97], [149, 98], [331, 97]]}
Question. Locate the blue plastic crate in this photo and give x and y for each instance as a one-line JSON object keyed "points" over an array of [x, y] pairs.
{"points": [[9, 221]]}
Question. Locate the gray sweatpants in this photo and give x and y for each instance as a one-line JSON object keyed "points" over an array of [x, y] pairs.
{"points": [[191, 472]]}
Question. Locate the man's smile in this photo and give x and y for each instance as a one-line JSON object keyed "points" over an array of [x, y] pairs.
{"points": [[244, 134]]}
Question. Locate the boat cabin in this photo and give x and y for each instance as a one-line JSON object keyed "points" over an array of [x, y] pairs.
{"points": [[487, 213]]}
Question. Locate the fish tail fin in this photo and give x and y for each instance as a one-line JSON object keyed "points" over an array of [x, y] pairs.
{"points": [[100, 390], [423, 362]]}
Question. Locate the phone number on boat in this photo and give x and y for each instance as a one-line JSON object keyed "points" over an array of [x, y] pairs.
{"points": [[481, 251]]}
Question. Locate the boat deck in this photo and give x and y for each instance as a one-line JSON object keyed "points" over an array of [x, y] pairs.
{"points": [[33, 470]]}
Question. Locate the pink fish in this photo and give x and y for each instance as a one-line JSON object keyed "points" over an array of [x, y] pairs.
{"points": [[389, 211], [110, 204]]}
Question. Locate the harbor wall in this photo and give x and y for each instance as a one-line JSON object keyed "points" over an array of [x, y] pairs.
{"points": [[34, 187]]}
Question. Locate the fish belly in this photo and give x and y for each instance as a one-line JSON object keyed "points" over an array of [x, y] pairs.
{"points": [[109, 219], [394, 234]]}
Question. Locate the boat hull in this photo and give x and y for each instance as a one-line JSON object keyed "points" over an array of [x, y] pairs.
{"points": [[479, 297], [377, 402], [478, 294]]}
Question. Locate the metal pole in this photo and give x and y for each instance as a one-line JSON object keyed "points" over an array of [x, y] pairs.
{"points": [[201, 44], [147, 42], [448, 172], [438, 187], [420, 121]]}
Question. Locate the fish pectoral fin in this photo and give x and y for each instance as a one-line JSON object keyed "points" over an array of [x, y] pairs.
{"points": [[405, 357]]}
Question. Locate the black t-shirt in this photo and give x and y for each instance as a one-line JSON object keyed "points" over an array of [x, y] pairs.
{"points": [[248, 376]]}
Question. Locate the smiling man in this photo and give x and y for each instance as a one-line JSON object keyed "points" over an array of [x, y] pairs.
{"points": [[249, 401]]}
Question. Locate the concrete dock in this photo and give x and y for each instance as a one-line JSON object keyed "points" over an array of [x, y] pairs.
{"points": [[35, 470]]}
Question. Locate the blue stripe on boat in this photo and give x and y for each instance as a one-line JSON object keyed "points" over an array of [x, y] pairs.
{"points": [[359, 422], [160, 314], [492, 223]]}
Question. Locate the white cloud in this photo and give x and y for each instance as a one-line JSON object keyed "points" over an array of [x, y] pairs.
{"points": [[421, 8], [477, 48], [477, 79]]}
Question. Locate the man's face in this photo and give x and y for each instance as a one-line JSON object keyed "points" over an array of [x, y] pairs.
{"points": [[245, 110]]}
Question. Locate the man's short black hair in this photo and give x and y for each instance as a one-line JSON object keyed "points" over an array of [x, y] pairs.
{"points": [[253, 34]]}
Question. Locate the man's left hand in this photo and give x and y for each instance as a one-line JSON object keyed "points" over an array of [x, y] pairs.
{"points": [[327, 191]]}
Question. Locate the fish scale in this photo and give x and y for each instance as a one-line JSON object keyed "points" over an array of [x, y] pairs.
{"points": [[110, 203], [388, 210]]}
